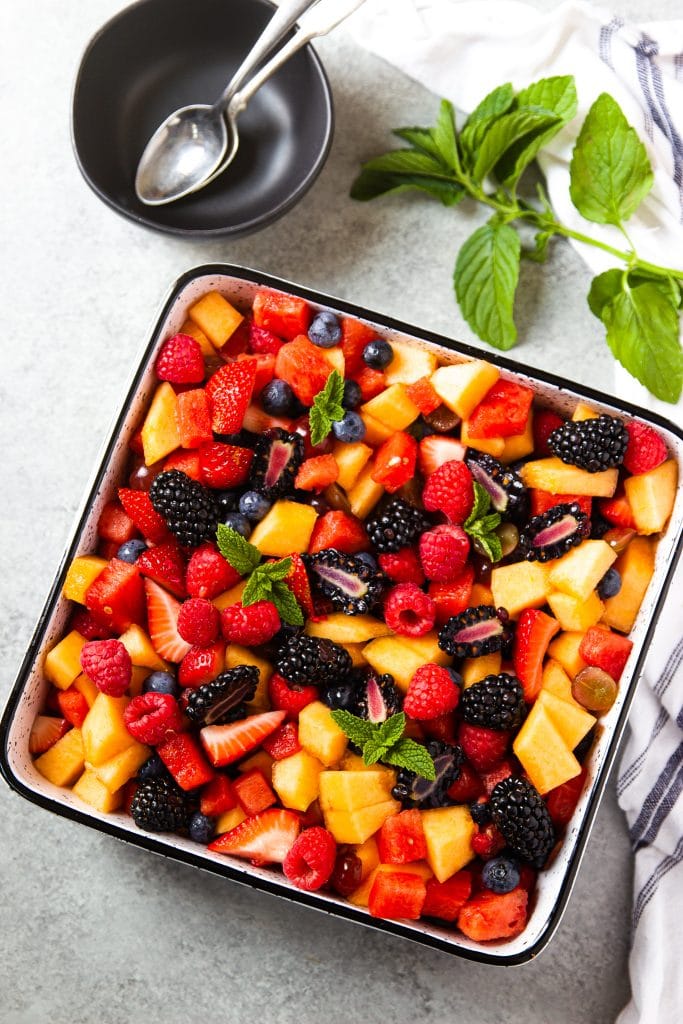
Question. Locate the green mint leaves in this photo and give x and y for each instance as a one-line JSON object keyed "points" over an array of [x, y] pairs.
{"points": [[327, 407], [481, 524], [639, 303], [266, 580], [384, 741]]}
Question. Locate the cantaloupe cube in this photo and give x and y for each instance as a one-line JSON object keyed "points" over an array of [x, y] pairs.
{"points": [[140, 648], [583, 411], [295, 780], [427, 647], [287, 527], [556, 681], [63, 663], [160, 435], [579, 571], [368, 855], [320, 735], [448, 834], [480, 594], [198, 334], [358, 825], [518, 586], [104, 730], [462, 386], [216, 317], [490, 445], [651, 496], [349, 790], [345, 629], [356, 654], [636, 566], [236, 655], [335, 357], [359, 898], [574, 614], [565, 649], [518, 446], [86, 686], [376, 432], [560, 478], [138, 676], [473, 670], [83, 571], [231, 596], [350, 459], [64, 761], [115, 772], [410, 363], [542, 751], [569, 718], [352, 762], [91, 790], [365, 493], [392, 407], [261, 760], [390, 654], [229, 820]]}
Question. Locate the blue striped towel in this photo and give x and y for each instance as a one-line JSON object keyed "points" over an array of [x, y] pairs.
{"points": [[462, 50]]}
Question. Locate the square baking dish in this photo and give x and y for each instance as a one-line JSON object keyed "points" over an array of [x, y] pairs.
{"points": [[554, 884]]}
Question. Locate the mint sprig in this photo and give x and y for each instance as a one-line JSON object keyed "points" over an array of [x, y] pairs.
{"points": [[481, 524], [242, 555], [327, 407], [266, 579], [384, 741]]}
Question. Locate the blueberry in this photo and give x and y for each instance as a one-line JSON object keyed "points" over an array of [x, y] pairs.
{"points": [[377, 354], [500, 874], [610, 584], [480, 813], [253, 505], [365, 556], [152, 768], [161, 682], [201, 828], [352, 395], [131, 550], [340, 696], [277, 398], [325, 331], [456, 677], [351, 428], [239, 523], [226, 501]]}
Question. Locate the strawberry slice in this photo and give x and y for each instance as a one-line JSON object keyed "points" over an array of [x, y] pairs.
{"points": [[201, 664], [45, 732], [534, 632], [224, 465], [139, 507], [266, 838], [227, 743], [340, 530], [165, 565], [435, 450], [355, 336], [229, 392], [162, 619], [299, 583], [617, 510], [256, 421]]}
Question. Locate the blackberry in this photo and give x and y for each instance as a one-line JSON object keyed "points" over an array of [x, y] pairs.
{"points": [[520, 813], [277, 458], [365, 694], [351, 584], [159, 805], [475, 632], [496, 702], [415, 791], [480, 812], [223, 699], [554, 533], [309, 659], [593, 445], [506, 490], [396, 526], [189, 508]]}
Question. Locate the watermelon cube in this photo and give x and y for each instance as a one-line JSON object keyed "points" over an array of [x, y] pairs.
{"points": [[446, 899], [396, 895], [253, 792], [401, 839], [184, 759], [607, 650], [116, 598], [285, 315]]}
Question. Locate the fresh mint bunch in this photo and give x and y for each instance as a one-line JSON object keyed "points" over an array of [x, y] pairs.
{"points": [[384, 741], [610, 175], [266, 579]]}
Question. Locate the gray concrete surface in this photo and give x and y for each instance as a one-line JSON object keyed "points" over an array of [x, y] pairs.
{"points": [[89, 929]]}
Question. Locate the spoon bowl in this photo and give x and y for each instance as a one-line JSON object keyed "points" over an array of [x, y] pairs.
{"points": [[186, 149]]}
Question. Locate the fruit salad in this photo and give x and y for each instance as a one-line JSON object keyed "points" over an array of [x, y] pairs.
{"points": [[354, 615]]}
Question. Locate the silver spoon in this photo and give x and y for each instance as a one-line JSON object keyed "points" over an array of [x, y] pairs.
{"points": [[188, 147]]}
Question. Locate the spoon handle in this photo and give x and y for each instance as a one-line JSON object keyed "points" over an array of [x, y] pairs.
{"points": [[285, 17]]}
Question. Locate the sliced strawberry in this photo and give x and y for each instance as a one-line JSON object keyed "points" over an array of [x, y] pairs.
{"points": [[561, 801], [229, 391], [224, 465], [115, 524], [201, 664], [423, 395], [395, 461], [545, 422], [503, 412], [299, 583], [185, 462], [534, 632], [435, 450], [139, 507], [303, 366], [355, 336], [265, 369], [73, 706], [217, 796], [116, 597], [266, 838], [541, 501], [452, 598], [617, 510], [253, 792], [317, 473], [284, 742], [185, 760], [162, 620], [371, 382], [227, 743], [339, 530], [193, 416], [45, 732], [165, 565], [257, 421], [285, 315]]}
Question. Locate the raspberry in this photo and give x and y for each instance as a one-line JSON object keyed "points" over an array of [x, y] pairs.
{"points": [[180, 360], [443, 552], [449, 489], [311, 859], [645, 450], [263, 341], [403, 566], [286, 696], [409, 611], [256, 624], [208, 573], [483, 748], [199, 622], [84, 623], [431, 693], [108, 664], [488, 842], [545, 422], [467, 787], [151, 716]]}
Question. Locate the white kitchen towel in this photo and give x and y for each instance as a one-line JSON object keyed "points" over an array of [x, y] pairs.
{"points": [[461, 50]]}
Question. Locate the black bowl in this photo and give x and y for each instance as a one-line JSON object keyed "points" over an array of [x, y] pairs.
{"points": [[158, 55]]}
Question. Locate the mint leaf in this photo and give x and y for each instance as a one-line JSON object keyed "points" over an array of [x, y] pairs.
{"points": [[276, 570], [372, 183], [482, 117], [327, 407], [491, 546], [413, 756], [643, 334], [482, 525], [539, 253], [482, 503], [556, 96], [258, 588], [504, 132], [486, 275], [373, 751], [391, 730], [242, 555], [359, 730], [610, 171], [445, 137], [604, 288], [287, 605]]}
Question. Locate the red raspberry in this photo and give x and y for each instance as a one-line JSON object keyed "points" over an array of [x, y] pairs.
{"points": [[286, 696], [263, 341], [180, 360], [467, 787], [151, 716], [645, 451], [199, 622], [443, 552], [502, 771], [310, 861], [85, 624], [208, 573], [108, 664], [483, 748], [488, 842], [431, 693], [545, 422], [409, 611], [256, 624], [403, 566], [450, 489]]}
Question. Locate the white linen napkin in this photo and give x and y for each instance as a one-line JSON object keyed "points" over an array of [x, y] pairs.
{"points": [[461, 50]]}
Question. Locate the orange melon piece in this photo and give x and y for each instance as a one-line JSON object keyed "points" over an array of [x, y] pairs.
{"points": [[448, 834], [104, 730], [216, 317], [636, 566], [519, 586], [358, 825], [320, 735], [579, 571], [542, 751], [573, 614], [115, 772], [64, 761], [519, 445], [557, 477], [296, 780], [349, 790], [565, 650], [392, 407], [651, 496], [569, 718], [473, 670], [63, 663], [287, 527], [461, 386], [160, 435], [81, 573], [409, 364], [365, 493], [91, 790], [198, 334], [350, 458]]}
